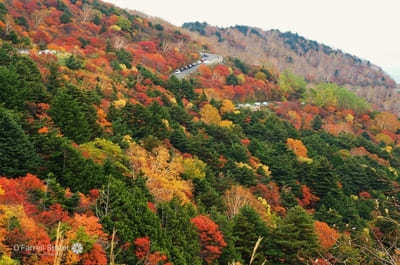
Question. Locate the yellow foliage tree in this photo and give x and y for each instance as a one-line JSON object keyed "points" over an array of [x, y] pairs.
{"points": [[194, 168], [101, 149], [227, 106], [349, 118], [226, 124], [261, 76], [241, 78], [163, 172], [6, 260], [297, 147], [119, 103], [209, 115], [381, 137]]}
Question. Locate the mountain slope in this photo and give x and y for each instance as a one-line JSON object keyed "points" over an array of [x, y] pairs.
{"points": [[106, 158], [316, 62]]}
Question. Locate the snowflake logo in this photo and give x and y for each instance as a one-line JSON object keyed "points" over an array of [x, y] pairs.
{"points": [[77, 248]]}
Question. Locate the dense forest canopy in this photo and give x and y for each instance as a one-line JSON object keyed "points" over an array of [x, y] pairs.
{"points": [[109, 159]]}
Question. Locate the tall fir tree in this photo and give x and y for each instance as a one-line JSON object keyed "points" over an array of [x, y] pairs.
{"points": [[123, 206], [294, 240], [17, 153], [68, 114], [183, 244], [248, 227]]}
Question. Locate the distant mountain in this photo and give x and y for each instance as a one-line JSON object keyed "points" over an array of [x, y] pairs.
{"points": [[315, 61]]}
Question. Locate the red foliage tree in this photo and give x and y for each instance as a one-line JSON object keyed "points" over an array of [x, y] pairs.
{"points": [[54, 215], [142, 252], [142, 247], [41, 37], [16, 190], [31, 6], [271, 193], [152, 207], [320, 261], [96, 256], [245, 141], [240, 92], [31, 182], [308, 199], [205, 71], [365, 195], [211, 239], [148, 46], [222, 70], [18, 4]]}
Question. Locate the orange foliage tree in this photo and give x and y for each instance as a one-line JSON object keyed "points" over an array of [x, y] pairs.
{"points": [[308, 199], [299, 149], [387, 121], [327, 236]]}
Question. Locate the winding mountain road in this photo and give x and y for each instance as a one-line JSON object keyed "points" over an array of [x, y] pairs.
{"points": [[208, 60]]}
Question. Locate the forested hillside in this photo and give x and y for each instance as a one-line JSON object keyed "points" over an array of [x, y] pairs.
{"points": [[314, 61], [107, 158]]}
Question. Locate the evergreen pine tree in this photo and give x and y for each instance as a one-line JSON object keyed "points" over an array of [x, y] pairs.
{"points": [[17, 153], [67, 114], [294, 240], [229, 253], [54, 81], [183, 243], [128, 213], [248, 227], [317, 123]]}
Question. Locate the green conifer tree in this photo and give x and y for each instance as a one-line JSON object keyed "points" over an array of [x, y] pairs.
{"points": [[17, 153], [248, 227], [294, 240]]}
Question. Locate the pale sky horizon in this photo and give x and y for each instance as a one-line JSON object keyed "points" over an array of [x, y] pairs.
{"points": [[365, 28]]}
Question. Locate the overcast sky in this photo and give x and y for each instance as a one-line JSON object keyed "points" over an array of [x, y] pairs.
{"points": [[366, 28]]}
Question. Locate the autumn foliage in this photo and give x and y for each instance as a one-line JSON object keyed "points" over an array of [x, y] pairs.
{"points": [[163, 172], [35, 224], [211, 239], [126, 155], [271, 193], [327, 236], [308, 199], [299, 149], [143, 253]]}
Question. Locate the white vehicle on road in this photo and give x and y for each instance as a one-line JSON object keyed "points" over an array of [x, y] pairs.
{"points": [[205, 58]]}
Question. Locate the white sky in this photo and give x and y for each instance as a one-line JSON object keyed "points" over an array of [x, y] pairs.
{"points": [[369, 29]]}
